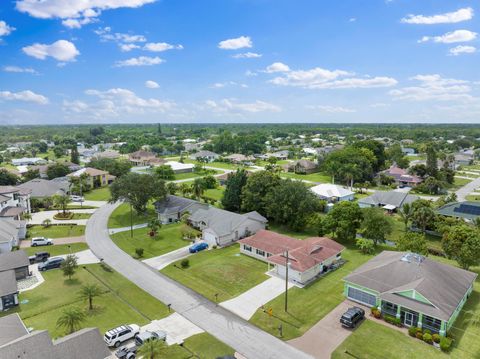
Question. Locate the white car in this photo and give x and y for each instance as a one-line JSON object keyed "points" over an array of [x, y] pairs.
{"points": [[114, 337], [41, 241], [77, 198]]}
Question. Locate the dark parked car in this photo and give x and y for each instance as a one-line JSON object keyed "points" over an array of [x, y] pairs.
{"points": [[197, 247], [127, 352], [39, 257], [51, 263], [352, 317]]}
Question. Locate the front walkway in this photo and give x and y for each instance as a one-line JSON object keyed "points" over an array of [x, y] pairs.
{"points": [[246, 304], [124, 229]]}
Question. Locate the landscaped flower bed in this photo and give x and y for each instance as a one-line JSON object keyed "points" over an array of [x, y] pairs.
{"points": [[444, 343], [63, 216]]}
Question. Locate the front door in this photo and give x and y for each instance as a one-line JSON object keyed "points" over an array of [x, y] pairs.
{"points": [[408, 321]]}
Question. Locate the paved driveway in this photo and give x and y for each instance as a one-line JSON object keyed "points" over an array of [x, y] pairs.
{"points": [[242, 336], [246, 304], [161, 262], [323, 338], [25, 243], [39, 217], [177, 328], [464, 191]]}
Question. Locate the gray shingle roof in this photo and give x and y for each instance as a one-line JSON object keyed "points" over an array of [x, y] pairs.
{"points": [[175, 204], [8, 229], [45, 188], [12, 260], [441, 284], [465, 209], [397, 199], [11, 328], [8, 283]]}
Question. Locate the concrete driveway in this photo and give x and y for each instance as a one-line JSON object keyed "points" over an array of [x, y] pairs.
{"points": [[39, 217], [323, 338], [177, 328], [246, 304], [161, 262], [67, 240], [464, 191]]}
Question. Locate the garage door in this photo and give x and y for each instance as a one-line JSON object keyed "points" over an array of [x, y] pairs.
{"points": [[361, 296]]}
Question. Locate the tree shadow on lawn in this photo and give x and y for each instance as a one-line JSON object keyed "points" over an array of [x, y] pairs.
{"points": [[72, 281], [97, 310]]}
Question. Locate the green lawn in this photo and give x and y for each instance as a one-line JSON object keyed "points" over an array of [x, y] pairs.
{"points": [[206, 346], [168, 239], [224, 271], [121, 216], [459, 182], [122, 302], [314, 177], [376, 341], [99, 194], [188, 175], [215, 193], [56, 231], [57, 249], [81, 215], [473, 197], [306, 306], [216, 164]]}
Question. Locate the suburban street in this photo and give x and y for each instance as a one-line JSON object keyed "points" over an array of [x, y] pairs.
{"points": [[245, 338], [464, 191]]}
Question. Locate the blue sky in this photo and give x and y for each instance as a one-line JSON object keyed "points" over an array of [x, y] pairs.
{"points": [[104, 61]]}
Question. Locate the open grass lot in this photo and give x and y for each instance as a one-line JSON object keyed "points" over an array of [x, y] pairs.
{"points": [[54, 231], [122, 301], [224, 271], [215, 193], [57, 249], [168, 239], [121, 216], [308, 305], [98, 194], [375, 341], [314, 177]]}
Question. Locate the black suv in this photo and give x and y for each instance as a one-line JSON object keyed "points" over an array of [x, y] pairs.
{"points": [[39, 257], [352, 317]]}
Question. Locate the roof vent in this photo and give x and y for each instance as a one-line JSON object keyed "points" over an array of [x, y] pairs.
{"points": [[413, 258]]}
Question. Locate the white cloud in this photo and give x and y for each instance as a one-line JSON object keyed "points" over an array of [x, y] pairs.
{"points": [[140, 61], [462, 49], [161, 46], [247, 55], [128, 47], [218, 85], [235, 44], [434, 87], [331, 109], [250, 73], [61, 50], [18, 69], [5, 29], [234, 107], [151, 84], [352, 19], [74, 13], [26, 96], [277, 67], [447, 18], [318, 78], [451, 37]]}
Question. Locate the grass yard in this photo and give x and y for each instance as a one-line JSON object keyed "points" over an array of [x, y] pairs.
{"points": [[459, 182], [120, 217], [188, 175], [473, 197], [168, 239], [376, 341], [81, 215], [54, 231], [224, 271], [310, 304], [215, 193], [122, 302], [98, 194], [314, 177], [57, 249]]}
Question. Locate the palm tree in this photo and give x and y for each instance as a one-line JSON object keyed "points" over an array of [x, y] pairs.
{"points": [[152, 349], [88, 292], [185, 189], [197, 187], [71, 319], [47, 222], [62, 202], [406, 212], [154, 225], [26, 216]]}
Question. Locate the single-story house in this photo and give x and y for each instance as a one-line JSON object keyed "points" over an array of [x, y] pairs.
{"points": [[17, 261], [179, 167], [221, 228], [280, 155], [239, 158], [17, 342], [301, 166], [463, 159], [307, 258], [111, 154], [467, 210], [402, 177], [41, 188], [14, 201], [95, 177], [408, 151], [206, 156], [171, 209], [11, 231], [419, 291], [27, 161], [333, 193], [142, 158], [389, 200]]}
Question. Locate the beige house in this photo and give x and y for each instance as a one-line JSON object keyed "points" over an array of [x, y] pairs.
{"points": [[95, 178]]}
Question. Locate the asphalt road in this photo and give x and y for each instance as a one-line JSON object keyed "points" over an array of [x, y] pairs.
{"points": [[245, 338], [464, 191]]}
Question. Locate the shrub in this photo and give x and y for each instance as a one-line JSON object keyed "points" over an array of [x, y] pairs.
{"points": [[366, 246], [139, 252], [376, 313], [214, 246], [392, 320], [445, 344], [436, 338], [185, 263], [412, 331], [419, 335], [428, 331], [427, 338]]}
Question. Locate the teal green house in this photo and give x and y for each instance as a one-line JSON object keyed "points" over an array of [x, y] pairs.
{"points": [[421, 292]]}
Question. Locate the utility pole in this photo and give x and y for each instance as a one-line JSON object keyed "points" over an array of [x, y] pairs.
{"points": [[286, 281], [131, 217]]}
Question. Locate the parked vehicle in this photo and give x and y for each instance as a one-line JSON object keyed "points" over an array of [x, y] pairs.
{"points": [[39, 257], [114, 337], [141, 338], [127, 352], [51, 263], [197, 247], [352, 317], [75, 198], [41, 241]]}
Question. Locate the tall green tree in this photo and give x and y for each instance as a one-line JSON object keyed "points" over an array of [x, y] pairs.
{"points": [[198, 187], [115, 167], [350, 165], [258, 185], [57, 170], [431, 165], [423, 214], [7, 178], [31, 174], [74, 156], [376, 225], [378, 150], [71, 319], [69, 266], [406, 213], [165, 172], [412, 242], [344, 219], [232, 197], [61, 201], [462, 243]]}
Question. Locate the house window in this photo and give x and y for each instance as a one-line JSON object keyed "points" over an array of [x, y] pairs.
{"points": [[389, 308], [247, 248], [260, 253], [269, 255], [431, 323]]}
